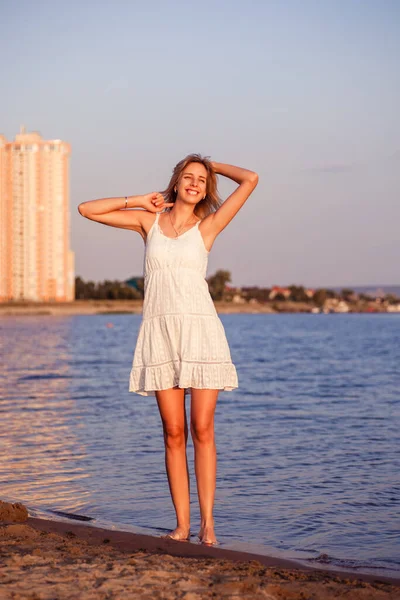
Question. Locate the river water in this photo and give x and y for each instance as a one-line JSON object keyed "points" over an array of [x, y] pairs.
{"points": [[308, 446]]}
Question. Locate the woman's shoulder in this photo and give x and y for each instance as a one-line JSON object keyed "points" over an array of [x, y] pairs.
{"points": [[147, 219]]}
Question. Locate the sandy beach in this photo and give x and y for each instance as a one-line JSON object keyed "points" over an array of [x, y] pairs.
{"points": [[94, 307], [43, 560]]}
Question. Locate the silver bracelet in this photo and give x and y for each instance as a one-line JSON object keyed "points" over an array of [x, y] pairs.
{"points": [[126, 201]]}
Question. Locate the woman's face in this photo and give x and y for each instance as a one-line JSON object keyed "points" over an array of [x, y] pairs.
{"points": [[192, 184]]}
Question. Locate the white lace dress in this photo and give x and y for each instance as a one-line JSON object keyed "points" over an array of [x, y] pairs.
{"points": [[181, 340]]}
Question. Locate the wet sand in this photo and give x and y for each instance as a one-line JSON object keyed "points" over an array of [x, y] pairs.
{"points": [[42, 559]]}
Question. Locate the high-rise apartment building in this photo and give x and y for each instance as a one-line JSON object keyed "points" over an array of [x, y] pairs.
{"points": [[36, 262]]}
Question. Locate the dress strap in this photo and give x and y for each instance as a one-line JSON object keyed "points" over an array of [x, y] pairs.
{"points": [[154, 226]]}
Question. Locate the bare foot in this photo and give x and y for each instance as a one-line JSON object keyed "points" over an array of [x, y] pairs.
{"points": [[180, 534], [206, 535]]}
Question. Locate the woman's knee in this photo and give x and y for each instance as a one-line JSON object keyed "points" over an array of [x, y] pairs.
{"points": [[174, 435], [202, 433]]}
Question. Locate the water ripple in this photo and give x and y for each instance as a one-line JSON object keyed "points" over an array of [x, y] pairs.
{"points": [[308, 461]]}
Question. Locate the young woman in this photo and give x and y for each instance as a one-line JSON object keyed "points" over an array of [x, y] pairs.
{"points": [[181, 343]]}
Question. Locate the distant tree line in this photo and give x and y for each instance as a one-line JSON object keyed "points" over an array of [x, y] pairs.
{"points": [[106, 290], [133, 289]]}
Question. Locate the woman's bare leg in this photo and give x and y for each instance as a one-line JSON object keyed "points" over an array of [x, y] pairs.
{"points": [[171, 404], [205, 457]]}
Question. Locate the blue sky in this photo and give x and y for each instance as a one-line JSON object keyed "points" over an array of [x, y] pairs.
{"points": [[304, 92]]}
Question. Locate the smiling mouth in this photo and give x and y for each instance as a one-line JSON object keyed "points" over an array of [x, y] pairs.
{"points": [[192, 192]]}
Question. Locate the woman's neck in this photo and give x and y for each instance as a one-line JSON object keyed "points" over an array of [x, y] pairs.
{"points": [[182, 214]]}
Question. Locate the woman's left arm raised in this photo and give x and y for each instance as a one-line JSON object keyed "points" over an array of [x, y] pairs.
{"points": [[247, 181]]}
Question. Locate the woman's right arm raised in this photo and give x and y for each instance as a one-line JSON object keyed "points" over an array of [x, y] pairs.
{"points": [[111, 211]]}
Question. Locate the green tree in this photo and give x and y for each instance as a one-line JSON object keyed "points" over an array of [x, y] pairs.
{"points": [[217, 283], [320, 296], [392, 299], [79, 288], [90, 290], [346, 293], [259, 294], [298, 294]]}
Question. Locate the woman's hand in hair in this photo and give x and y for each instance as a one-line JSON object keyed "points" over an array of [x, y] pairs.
{"points": [[154, 202], [214, 223]]}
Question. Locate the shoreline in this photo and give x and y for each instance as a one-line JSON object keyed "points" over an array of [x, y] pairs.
{"points": [[96, 307], [127, 541], [46, 559]]}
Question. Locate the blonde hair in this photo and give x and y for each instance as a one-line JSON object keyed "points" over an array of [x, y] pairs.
{"points": [[212, 200]]}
